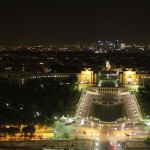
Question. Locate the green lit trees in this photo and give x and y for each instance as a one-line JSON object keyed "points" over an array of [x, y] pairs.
{"points": [[147, 141]]}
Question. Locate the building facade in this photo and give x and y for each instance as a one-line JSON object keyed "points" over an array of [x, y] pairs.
{"points": [[87, 76], [130, 76]]}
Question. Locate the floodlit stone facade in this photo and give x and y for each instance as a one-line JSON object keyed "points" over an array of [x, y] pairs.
{"points": [[87, 76]]}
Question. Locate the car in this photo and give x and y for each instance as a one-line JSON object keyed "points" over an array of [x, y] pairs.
{"points": [[68, 123], [127, 134]]}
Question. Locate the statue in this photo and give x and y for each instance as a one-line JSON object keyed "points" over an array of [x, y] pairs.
{"points": [[108, 67]]}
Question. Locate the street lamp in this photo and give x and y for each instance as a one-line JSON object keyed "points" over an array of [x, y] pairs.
{"points": [[55, 133], [76, 138], [92, 135], [97, 142], [92, 126]]}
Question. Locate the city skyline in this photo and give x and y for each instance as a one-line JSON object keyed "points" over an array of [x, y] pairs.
{"points": [[38, 22], [74, 74]]}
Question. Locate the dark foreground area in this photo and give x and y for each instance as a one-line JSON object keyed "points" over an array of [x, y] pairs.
{"points": [[37, 145]]}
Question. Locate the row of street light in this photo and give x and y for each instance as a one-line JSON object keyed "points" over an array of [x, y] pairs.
{"points": [[133, 104], [81, 109]]}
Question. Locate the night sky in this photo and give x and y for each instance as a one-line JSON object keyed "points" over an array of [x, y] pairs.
{"points": [[31, 22]]}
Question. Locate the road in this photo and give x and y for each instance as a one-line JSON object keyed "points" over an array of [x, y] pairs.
{"points": [[110, 137], [106, 135]]}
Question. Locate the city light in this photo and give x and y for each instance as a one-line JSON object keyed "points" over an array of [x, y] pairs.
{"points": [[66, 79]]}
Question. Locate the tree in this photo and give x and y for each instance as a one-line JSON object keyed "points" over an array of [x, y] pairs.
{"points": [[147, 141], [28, 129], [1, 132], [60, 104], [12, 131], [146, 86], [66, 135]]}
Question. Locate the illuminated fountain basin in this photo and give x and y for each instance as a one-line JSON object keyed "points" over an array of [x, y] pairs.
{"points": [[108, 107]]}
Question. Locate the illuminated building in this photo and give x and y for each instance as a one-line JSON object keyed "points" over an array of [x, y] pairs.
{"points": [[87, 76], [108, 67], [130, 76]]}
